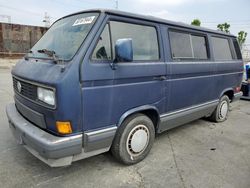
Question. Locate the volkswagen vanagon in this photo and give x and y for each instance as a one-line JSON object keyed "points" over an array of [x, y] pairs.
{"points": [[101, 80]]}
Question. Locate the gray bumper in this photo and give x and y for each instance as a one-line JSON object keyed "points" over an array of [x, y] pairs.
{"points": [[237, 96], [40, 143]]}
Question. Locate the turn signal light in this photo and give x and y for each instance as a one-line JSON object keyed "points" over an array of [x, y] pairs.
{"points": [[237, 89], [63, 127]]}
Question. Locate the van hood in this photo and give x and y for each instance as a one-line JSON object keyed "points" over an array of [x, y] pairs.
{"points": [[39, 70]]}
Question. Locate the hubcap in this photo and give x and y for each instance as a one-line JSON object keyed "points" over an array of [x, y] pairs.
{"points": [[223, 110], [138, 139]]}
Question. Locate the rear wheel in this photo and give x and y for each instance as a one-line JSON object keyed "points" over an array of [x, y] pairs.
{"points": [[134, 139], [221, 112]]}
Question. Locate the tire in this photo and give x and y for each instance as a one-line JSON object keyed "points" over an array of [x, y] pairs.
{"points": [[134, 139], [220, 114]]}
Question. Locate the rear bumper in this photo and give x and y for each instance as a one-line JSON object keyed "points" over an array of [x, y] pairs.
{"points": [[40, 143], [237, 96]]}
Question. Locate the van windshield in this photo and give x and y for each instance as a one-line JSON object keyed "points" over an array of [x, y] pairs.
{"points": [[65, 36]]}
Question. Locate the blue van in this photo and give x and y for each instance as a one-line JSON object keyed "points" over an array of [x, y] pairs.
{"points": [[101, 80]]}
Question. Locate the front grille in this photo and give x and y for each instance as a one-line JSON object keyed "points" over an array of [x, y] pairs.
{"points": [[27, 90]]}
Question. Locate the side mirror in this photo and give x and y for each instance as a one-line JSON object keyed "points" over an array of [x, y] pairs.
{"points": [[123, 50]]}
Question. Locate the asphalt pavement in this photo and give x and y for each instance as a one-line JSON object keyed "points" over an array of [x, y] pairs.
{"points": [[196, 155]]}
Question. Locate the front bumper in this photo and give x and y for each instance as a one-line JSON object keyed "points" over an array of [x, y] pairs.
{"points": [[53, 150], [237, 96]]}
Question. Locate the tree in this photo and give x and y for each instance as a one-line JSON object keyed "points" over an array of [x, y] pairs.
{"points": [[224, 27], [196, 22], [242, 35]]}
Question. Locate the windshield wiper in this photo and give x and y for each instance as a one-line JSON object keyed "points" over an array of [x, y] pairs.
{"points": [[50, 53], [26, 55]]}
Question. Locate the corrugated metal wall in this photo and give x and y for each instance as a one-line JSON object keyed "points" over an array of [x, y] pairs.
{"points": [[16, 40]]}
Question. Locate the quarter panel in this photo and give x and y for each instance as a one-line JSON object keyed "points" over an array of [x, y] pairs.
{"points": [[227, 75]]}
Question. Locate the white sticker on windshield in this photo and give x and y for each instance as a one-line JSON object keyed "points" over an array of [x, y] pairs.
{"points": [[82, 21]]}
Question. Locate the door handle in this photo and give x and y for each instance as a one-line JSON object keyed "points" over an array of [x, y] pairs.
{"points": [[160, 78]]}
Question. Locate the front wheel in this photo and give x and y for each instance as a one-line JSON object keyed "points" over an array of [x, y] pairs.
{"points": [[134, 139], [220, 114]]}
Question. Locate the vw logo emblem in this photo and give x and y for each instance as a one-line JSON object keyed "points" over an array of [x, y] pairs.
{"points": [[19, 87]]}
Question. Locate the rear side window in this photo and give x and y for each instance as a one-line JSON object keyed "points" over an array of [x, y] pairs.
{"points": [[199, 47], [187, 46], [221, 49], [180, 45], [237, 49], [144, 39]]}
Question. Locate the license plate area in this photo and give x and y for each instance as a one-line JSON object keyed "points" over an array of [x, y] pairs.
{"points": [[17, 134]]}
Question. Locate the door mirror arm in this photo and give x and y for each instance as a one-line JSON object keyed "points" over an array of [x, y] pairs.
{"points": [[113, 64]]}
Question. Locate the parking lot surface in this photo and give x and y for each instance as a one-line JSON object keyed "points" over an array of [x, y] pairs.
{"points": [[196, 155]]}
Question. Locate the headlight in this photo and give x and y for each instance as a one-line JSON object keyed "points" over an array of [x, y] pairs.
{"points": [[46, 95]]}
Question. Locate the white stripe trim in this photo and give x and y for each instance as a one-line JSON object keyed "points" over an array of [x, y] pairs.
{"points": [[186, 78], [101, 131], [189, 108]]}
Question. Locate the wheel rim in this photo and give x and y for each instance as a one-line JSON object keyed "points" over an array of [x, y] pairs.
{"points": [[138, 139], [223, 110]]}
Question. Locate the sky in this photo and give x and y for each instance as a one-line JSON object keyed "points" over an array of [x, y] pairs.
{"points": [[209, 12]]}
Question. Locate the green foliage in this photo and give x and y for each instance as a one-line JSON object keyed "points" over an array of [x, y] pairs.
{"points": [[242, 35], [196, 22], [224, 27]]}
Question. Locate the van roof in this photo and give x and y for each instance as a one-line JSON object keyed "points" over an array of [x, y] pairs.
{"points": [[153, 19]]}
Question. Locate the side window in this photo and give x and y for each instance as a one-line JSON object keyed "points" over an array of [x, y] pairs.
{"points": [[199, 47], [180, 45], [221, 49], [103, 48], [144, 39], [237, 49], [187, 46]]}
